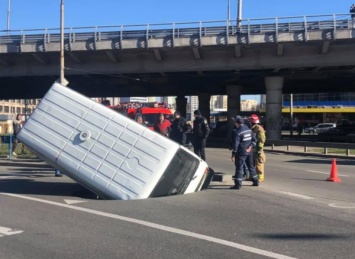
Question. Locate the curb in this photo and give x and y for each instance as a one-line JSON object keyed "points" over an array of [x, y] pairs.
{"points": [[310, 154]]}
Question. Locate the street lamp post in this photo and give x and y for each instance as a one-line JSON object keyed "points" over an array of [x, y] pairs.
{"points": [[291, 114], [239, 17], [8, 17], [62, 79], [229, 11]]}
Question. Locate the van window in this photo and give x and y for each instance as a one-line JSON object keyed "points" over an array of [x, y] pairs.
{"points": [[177, 176]]}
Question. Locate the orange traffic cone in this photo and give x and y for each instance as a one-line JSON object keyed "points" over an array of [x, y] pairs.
{"points": [[334, 173]]}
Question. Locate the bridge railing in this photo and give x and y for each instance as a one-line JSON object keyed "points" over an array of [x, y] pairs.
{"points": [[181, 29]]}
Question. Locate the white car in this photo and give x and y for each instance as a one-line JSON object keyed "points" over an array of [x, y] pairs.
{"points": [[320, 128]]}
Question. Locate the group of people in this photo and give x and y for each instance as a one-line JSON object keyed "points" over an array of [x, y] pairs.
{"points": [[247, 143], [247, 147], [178, 128]]}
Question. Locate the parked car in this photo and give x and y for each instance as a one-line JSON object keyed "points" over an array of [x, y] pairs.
{"points": [[320, 128], [341, 133]]}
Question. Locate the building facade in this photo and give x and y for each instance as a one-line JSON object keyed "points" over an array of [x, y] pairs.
{"points": [[18, 106]]}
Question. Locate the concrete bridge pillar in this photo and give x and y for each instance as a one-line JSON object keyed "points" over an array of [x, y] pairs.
{"points": [[233, 106], [273, 125], [181, 102], [204, 105]]}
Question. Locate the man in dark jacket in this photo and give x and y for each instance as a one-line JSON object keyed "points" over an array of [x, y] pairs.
{"points": [[200, 133], [232, 143], [178, 129], [243, 153]]}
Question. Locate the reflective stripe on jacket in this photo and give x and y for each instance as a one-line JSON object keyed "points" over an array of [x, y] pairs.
{"points": [[243, 140]]}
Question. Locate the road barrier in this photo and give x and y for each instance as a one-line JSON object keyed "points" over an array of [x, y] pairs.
{"points": [[307, 144]]}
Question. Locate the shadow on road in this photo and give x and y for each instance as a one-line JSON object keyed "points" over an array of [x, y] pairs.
{"points": [[30, 186], [301, 236]]}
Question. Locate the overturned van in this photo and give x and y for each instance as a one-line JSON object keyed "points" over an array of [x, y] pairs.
{"points": [[109, 153]]}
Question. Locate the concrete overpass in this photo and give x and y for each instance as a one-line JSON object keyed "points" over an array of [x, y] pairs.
{"points": [[309, 54]]}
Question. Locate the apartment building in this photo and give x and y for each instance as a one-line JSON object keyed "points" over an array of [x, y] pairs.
{"points": [[16, 106]]}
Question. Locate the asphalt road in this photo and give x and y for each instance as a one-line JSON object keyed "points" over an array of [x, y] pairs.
{"points": [[295, 213]]}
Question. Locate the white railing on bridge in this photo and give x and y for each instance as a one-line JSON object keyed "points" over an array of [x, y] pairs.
{"points": [[182, 29]]}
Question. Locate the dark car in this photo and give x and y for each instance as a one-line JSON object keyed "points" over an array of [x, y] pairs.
{"points": [[341, 133], [219, 129]]}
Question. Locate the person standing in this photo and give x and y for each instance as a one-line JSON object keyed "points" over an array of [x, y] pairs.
{"points": [[17, 125], [243, 154], [200, 132], [163, 125], [139, 119], [231, 145], [259, 154], [178, 129]]}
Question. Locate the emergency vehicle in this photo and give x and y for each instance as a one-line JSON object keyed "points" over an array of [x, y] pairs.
{"points": [[150, 112]]}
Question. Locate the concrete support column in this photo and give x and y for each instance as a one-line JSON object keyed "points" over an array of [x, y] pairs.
{"points": [[204, 105], [181, 102], [233, 106], [273, 124]]}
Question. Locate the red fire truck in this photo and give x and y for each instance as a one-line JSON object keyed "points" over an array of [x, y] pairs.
{"points": [[150, 111]]}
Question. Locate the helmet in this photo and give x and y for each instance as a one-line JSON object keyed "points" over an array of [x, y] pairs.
{"points": [[254, 118]]}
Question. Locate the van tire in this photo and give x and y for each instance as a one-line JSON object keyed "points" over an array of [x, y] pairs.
{"points": [[208, 179]]}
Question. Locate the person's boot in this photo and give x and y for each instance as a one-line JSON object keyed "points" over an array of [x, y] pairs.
{"points": [[57, 173], [261, 177], [237, 185]]}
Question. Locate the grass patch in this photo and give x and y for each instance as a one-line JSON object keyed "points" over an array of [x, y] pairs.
{"points": [[20, 149]]}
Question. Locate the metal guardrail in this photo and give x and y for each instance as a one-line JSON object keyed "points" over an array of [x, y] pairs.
{"points": [[306, 144], [180, 30]]}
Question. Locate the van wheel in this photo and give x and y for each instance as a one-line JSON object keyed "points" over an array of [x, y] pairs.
{"points": [[208, 179], [311, 132]]}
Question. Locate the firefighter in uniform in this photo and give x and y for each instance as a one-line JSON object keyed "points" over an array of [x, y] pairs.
{"points": [[259, 155], [243, 153], [200, 133]]}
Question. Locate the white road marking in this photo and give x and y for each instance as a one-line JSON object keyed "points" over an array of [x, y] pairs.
{"points": [[9, 231], [11, 176], [73, 201], [159, 227], [319, 172], [342, 205], [297, 195], [14, 175]]}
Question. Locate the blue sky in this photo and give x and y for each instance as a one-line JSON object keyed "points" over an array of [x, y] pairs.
{"points": [[32, 14]]}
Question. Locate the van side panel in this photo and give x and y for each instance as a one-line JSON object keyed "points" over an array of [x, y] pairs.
{"points": [[103, 150]]}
